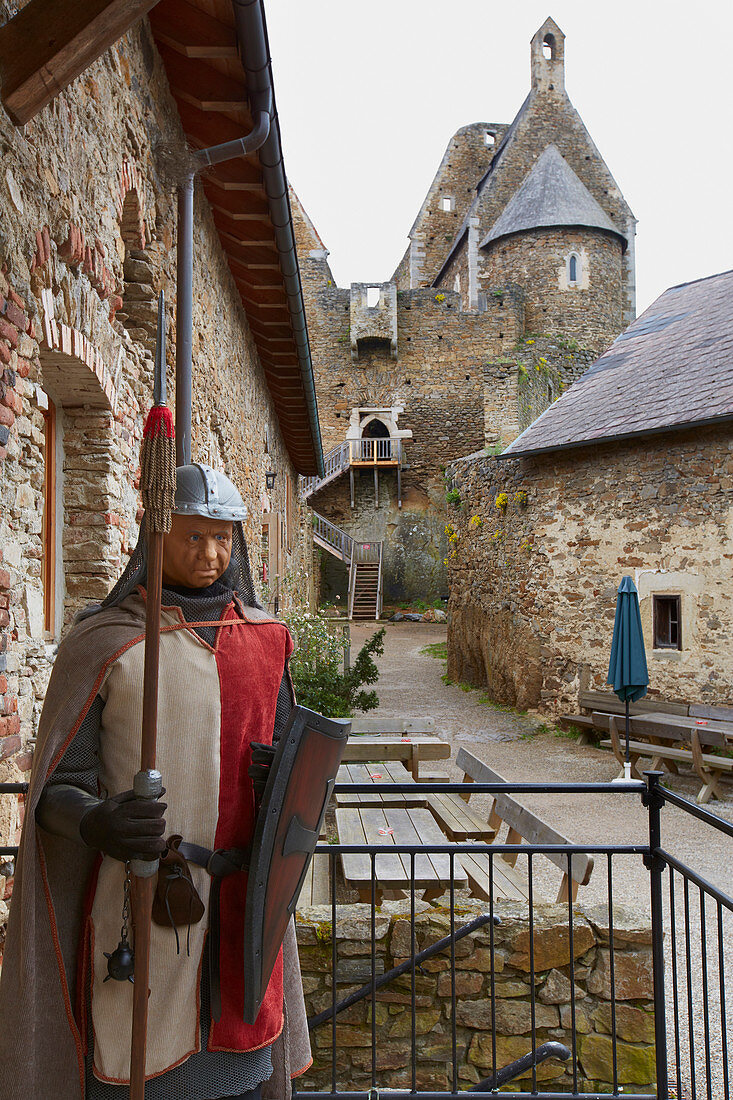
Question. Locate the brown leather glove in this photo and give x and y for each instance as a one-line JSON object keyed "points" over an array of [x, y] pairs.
{"points": [[125, 827]]}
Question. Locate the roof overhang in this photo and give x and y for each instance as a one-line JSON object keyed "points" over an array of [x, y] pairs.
{"points": [[206, 65]]}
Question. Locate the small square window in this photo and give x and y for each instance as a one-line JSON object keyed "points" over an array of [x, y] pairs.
{"points": [[667, 624], [446, 204]]}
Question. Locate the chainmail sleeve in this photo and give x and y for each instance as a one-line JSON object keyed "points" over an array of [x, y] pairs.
{"points": [[285, 704], [79, 766]]}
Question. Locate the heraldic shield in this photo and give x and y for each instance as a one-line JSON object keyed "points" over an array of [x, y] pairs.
{"points": [[298, 790]]}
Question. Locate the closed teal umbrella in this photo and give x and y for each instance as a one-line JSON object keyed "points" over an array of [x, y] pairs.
{"points": [[627, 670]]}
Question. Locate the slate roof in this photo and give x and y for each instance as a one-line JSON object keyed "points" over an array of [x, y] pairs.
{"points": [[551, 194], [671, 369]]}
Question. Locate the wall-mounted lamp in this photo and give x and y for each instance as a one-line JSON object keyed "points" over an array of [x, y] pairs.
{"points": [[270, 479]]}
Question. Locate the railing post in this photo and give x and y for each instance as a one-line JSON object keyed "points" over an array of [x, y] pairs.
{"points": [[653, 799]]}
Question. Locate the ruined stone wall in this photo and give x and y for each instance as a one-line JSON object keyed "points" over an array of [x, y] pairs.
{"points": [[533, 583], [464, 162], [481, 964], [438, 379], [538, 260], [523, 382], [87, 230], [549, 117]]}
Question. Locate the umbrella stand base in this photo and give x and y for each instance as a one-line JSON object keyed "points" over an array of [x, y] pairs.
{"points": [[626, 776]]}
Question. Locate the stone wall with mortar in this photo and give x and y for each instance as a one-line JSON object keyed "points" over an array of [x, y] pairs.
{"points": [[533, 584], [591, 309], [549, 117], [87, 231], [467, 156], [439, 378], [481, 968]]}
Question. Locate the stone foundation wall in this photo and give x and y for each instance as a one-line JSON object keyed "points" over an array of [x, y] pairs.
{"points": [[479, 968], [533, 584]]}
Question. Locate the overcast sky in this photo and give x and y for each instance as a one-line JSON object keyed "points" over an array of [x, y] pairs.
{"points": [[369, 95]]}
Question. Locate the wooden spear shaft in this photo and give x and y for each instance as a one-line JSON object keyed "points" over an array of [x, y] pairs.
{"points": [[158, 484], [143, 887]]}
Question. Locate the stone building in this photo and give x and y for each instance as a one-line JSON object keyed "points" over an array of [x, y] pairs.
{"points": [[629, 472], [518, 274], [88, 227]]}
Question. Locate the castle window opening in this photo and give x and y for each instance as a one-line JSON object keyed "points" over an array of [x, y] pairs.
{"points": [[548, 47], [447, 204], [667, 624], [573, 269], [490, 137], [372, 296]]}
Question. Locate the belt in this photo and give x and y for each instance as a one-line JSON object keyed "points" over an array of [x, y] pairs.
{"points": [[219, 863]]}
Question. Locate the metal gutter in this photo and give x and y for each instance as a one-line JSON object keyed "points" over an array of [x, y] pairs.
{"points": [[255, 54], [264, 138]]}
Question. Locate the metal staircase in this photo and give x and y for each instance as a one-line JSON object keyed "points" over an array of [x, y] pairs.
{"points": [[364, 560]]}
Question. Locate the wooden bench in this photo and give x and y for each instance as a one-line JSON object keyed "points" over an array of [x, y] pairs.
{"points": [[672, 744], [523, 825], [387, 826], [412, 749], [316, 888], [606, 702]]}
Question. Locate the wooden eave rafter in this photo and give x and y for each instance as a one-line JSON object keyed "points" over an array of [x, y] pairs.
{"points": [[197, 43], [51, 42]]}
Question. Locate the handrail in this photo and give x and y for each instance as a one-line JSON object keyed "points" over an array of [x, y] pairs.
{"points": [[379, 581], [339, 541], [386, 449], [352, 581]]}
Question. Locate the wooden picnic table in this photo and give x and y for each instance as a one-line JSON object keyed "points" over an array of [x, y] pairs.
{"points": [[379, 773], [387, 826], [365, 748]]}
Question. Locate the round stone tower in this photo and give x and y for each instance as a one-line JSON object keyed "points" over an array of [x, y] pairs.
{"points": [[556, 242]]}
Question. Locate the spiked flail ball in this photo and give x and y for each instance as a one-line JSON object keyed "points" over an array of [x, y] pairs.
{"points": [[158, 468]]}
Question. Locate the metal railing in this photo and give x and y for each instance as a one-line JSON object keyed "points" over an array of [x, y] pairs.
{"points": [[689, 984]]}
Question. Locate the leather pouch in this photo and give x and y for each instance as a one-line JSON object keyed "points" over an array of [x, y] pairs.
{"points": [[176, 902]]}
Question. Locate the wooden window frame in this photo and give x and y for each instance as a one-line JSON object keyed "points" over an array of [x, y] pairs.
{"points": [[49, 520], [674, 621]]}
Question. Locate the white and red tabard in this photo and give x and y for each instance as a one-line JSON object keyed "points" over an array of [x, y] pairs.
{"points": [[212, 703]]}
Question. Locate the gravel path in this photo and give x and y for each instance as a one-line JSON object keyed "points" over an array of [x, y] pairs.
{"points": [[522, 747]]}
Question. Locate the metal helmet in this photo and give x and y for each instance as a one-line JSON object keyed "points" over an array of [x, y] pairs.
{"points": [[202, 491]]}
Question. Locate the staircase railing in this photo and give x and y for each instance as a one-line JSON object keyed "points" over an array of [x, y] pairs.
{"points": [[332, 537], [379, 582], [338, 460], [334, 463], [352, 582]]}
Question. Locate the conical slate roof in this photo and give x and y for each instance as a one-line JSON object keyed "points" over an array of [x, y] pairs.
{"points": [[551, 194]]}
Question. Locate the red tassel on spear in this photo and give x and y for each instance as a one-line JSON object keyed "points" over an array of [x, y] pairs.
{"points": [[158, 486]]}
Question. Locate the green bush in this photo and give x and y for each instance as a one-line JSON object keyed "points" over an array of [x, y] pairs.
{"points": [[317, 668]]}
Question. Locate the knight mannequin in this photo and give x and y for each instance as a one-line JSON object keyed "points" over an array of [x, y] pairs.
{"points": [[224, 687]]}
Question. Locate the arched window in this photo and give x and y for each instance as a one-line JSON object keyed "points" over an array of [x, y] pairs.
{"points": [[549, 49], [573, 269]]}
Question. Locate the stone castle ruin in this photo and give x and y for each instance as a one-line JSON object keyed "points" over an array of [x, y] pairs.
{"points": [[518, 274]]}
